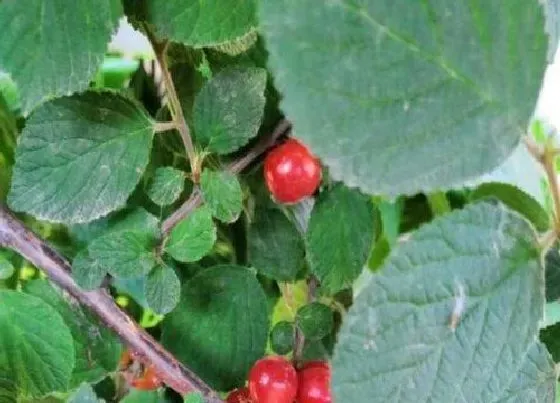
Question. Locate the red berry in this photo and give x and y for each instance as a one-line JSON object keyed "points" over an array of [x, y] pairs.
{"points": [[148, 381], [273, 380], [291, 172], [314, 383], [240, 395]]}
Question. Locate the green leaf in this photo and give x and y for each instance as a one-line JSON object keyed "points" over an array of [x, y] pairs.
{"points": [[228, 111], [166, 186], [6, 267], [315, 320], [201, 24], [97, 349], [79, 157], [282, 337], [550, 336], [464, 292], [87, 272], [535, 381], [140, 396], [162, 289], [222, 193], [44, 53], [221, 326], [193, 237], [552, 273], [37, 350], [84, 394], [339, 237], [124, 253], [194, 398], [8, 391], [551, 314], [275, 246], [400, 102], [515, 199]]}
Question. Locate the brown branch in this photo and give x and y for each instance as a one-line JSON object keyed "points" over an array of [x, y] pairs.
{"points": [[15, 236], [236, 166]]}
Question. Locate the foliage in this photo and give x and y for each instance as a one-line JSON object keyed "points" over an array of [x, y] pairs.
{"points": [[424, 267]]}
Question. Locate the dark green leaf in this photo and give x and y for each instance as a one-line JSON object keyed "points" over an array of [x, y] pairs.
{"points": [[52, 48], [162, 289], [79, 157], [38, 354], [222, 193], [400, 101], [229, 109], [552, 274], [84, 394], [97, 349], [276, 247], [339, 237], [282, 337], [516, 200], [166, 186], [6, 267], [124, 253], [199, 24], [221, 326], [464, 292], [87, 272], [550, 336], [193, 237], [8, 390], [315, 320]]}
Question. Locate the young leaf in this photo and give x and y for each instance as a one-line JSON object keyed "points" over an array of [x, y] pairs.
{"points": [[193, 237], [228, 110], [124, 253], [221, 326], [410, 101], [339, 237], [79, 157], [222, 193], [42, 51], [87, 272], [275, 247], [464, 292], [201, 24], [315, 320], [517, 200], [162, 289], [97, 349], [84, 394], [6, 267], [42, 353], [166, 186]]}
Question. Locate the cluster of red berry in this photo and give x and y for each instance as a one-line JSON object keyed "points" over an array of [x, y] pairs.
{"points": [[291, 172], [274, 380]]}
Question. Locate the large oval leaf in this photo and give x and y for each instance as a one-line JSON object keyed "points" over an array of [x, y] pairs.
{"points": [[79, 157], [36, 345], [449, 317], [406, 96], [53, 48], [220, 327]]}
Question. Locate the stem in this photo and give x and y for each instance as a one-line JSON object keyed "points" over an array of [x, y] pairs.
{"points": [[164, 126], [160, 50], [438, 203], [15, 236], [235, 167]]}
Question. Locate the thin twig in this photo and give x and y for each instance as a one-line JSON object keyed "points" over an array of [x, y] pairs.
{"points": [[164, 126], [160, 50], [235, 167], [15, 236]]}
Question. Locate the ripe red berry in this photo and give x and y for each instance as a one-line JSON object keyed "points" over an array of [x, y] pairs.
{"points": [[314, 383], [291, 172], [148, 381], [273, 380], [240, 395]]}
